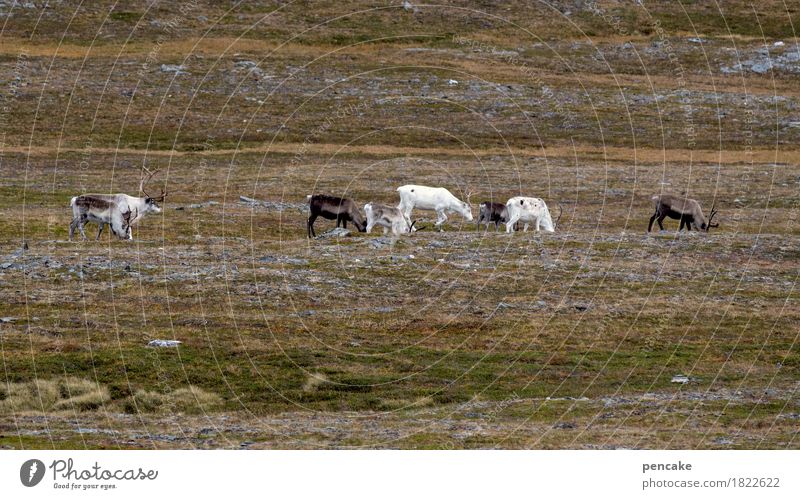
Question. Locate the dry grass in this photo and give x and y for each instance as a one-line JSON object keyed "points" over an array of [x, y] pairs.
{"points": [[189, 400], [52, 396]]}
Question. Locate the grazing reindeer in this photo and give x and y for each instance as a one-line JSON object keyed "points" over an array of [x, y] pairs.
{"points": [[492, 213], [686, 210], [389, 217], [114, 210], [437, 199], [332, 208], [529, 210]]}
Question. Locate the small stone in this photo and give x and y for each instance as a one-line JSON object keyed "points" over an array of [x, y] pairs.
{"points": [[178, 69], [680, 378], [164, 343], [337, 232]]}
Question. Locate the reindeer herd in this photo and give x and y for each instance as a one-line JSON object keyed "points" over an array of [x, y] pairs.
{"points": [[121, 211], [437, 199]]}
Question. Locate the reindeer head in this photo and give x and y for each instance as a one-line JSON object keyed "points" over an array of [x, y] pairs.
{"points": [[466, 209], [151, 202]]}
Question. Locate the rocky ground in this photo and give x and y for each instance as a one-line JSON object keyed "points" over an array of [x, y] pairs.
{"points": [[600, 335]]}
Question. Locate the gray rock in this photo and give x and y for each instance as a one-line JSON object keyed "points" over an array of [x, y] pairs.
{"points": [[680, 378], [197, 205], [337, 232], [380, 242], [761, 67], [164, 343], [275, 205], [565, 426], [296, 261], [178, 69]]}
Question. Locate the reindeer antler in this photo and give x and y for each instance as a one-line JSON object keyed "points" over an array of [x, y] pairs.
{"points": [[147, 179], [711, 216], [560, 212]]}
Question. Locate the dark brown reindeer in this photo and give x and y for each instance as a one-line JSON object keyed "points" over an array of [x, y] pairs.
{"points": [[686, 210], [342, 210], [492, 213]]}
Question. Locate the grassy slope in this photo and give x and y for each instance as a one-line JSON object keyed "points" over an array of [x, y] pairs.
{"points": [[460, 346]]}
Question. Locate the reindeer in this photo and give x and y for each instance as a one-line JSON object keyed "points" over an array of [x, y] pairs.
{"points": [[527, 210], [119, 211], [686, 210], [389, 217], [437, 199], [491, 212], [332, 208]]}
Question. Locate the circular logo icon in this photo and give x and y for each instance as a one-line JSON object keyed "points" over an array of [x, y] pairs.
{"points": [[31, 472]]}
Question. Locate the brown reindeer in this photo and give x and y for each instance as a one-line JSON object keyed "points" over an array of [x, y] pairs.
{"points": [[686, 210], [342, 210], [492, 213]]}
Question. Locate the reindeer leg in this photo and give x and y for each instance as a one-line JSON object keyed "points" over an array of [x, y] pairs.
{"points": [[81, 223], [441, 218], [344, 223], [407, 212], [660, 220], [510, 223], [652, 219], [72, 226], [99, 231], [311, 226]]}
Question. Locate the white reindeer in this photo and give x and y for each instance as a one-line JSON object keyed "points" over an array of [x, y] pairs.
{"points": [[437, 199], [388, 217], [528, 210], [120, 211]]}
